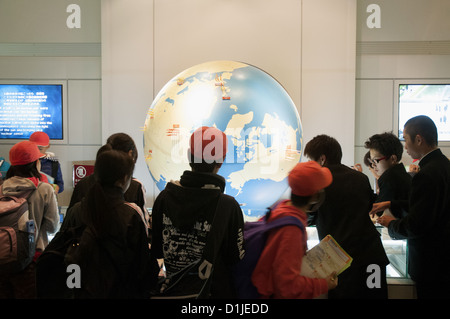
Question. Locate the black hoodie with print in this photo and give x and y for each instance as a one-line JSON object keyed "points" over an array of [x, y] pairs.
{"points": [[182, 216]]}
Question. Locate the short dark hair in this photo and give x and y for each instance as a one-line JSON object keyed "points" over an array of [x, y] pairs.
{"points": [[367, 160], [324, 145], [203, 166], [424, 126], [300, 201], [387, 144]]}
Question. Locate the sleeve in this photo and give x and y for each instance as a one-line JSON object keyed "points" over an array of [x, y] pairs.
{"points": [[236, 230], [278, 270], [156, 232], [50, 218], [59, 179], [421, 214], [145, 266], [140, 201]]}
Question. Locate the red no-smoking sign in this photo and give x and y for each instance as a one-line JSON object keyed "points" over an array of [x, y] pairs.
{"points": [[80, 171]]}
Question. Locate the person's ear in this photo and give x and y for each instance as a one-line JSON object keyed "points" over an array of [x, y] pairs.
{"points": [[322, 160]]}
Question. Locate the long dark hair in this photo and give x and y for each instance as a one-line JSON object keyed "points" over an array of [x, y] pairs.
{"points": [[103, 198], [123, 142], [27, 170]]}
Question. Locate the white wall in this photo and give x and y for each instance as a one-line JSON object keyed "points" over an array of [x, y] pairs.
{"points": [[413, 43], [308, 45], [328, 72], [36, 44], [289, 39]]}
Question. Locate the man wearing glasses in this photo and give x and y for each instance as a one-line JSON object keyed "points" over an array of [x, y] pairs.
{"points": [[394, 182]]}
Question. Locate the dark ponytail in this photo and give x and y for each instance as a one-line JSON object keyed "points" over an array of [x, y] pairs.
{"points": [[111, 166]]}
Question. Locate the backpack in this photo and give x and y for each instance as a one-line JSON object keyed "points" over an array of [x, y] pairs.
{"points": [[255, 235], [17, 234], [51, 268]]}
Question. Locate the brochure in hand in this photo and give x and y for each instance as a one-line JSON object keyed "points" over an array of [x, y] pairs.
{"points": [[324, 259]]}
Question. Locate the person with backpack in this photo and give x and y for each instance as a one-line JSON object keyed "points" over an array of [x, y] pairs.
{"points": [[277, 273], [111, 250], [23, 181], [188, 212], [49, 163], [135, 192]]}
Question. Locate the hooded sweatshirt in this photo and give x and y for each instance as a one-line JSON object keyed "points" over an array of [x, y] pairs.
{"points": [[277, 273], [182, 216], [42, 205]]}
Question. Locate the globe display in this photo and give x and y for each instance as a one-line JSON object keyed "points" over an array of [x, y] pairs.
{"points": [[260, 120]]}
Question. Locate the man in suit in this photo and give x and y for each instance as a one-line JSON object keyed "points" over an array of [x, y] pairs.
{"points": [[427, 226]]}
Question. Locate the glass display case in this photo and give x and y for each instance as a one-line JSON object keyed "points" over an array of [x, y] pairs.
{"points": [[396, 251]]}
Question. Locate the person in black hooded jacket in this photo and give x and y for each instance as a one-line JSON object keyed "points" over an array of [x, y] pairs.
{"points": [[184, 211]]}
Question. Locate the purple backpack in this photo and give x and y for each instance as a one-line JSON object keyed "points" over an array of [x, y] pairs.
{"points": [[255, 235]]}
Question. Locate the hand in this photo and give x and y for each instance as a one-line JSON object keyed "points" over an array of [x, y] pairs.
{"points": [[379, 207], [385, 220], [357, 167], [332, 281]]}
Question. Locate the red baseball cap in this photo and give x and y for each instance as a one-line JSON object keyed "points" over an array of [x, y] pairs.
{"points": [[208, 144], [308, 178], [24, 153], [40, 138]]}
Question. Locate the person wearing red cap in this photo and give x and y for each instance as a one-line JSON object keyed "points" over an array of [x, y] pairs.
{"points": [[277, 273], [23, 176], [344, 215], [184, 211], [50, 165]]}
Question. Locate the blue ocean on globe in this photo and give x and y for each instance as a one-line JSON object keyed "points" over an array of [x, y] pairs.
{"points": [[258, 116]]}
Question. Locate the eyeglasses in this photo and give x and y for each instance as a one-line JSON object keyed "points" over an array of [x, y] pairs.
{"points": [[377, 160]]}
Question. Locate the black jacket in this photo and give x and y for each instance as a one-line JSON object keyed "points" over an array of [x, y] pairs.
{"points": [[427, 225], [119, 263], [134, 194], [345, 215], [182, 216], [395, 185]]}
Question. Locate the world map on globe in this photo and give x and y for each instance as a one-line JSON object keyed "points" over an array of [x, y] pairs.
{"points": [[256, 113]]}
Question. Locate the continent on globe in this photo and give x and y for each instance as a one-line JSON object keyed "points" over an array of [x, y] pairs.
{"points": [[256, 113]]}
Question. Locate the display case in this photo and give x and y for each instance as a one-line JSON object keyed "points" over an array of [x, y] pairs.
{"points": [[396, 251]]}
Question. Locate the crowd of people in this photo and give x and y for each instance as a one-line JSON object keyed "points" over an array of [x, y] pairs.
{"points": [[339, 200]]}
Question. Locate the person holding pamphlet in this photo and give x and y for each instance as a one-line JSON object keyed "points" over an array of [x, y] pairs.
{"points": [[344, 215], [278, 271]]}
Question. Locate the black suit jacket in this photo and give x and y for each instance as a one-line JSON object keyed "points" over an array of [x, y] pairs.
{"points": [[427, 225], [395, 185], [345, 215]]}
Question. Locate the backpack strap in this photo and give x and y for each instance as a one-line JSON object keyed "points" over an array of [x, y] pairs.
{"points": [[54, 169], [214, 241], [284, 221]]}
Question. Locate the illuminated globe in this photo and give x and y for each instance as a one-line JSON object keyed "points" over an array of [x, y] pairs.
{"points": [[256, 113]]}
